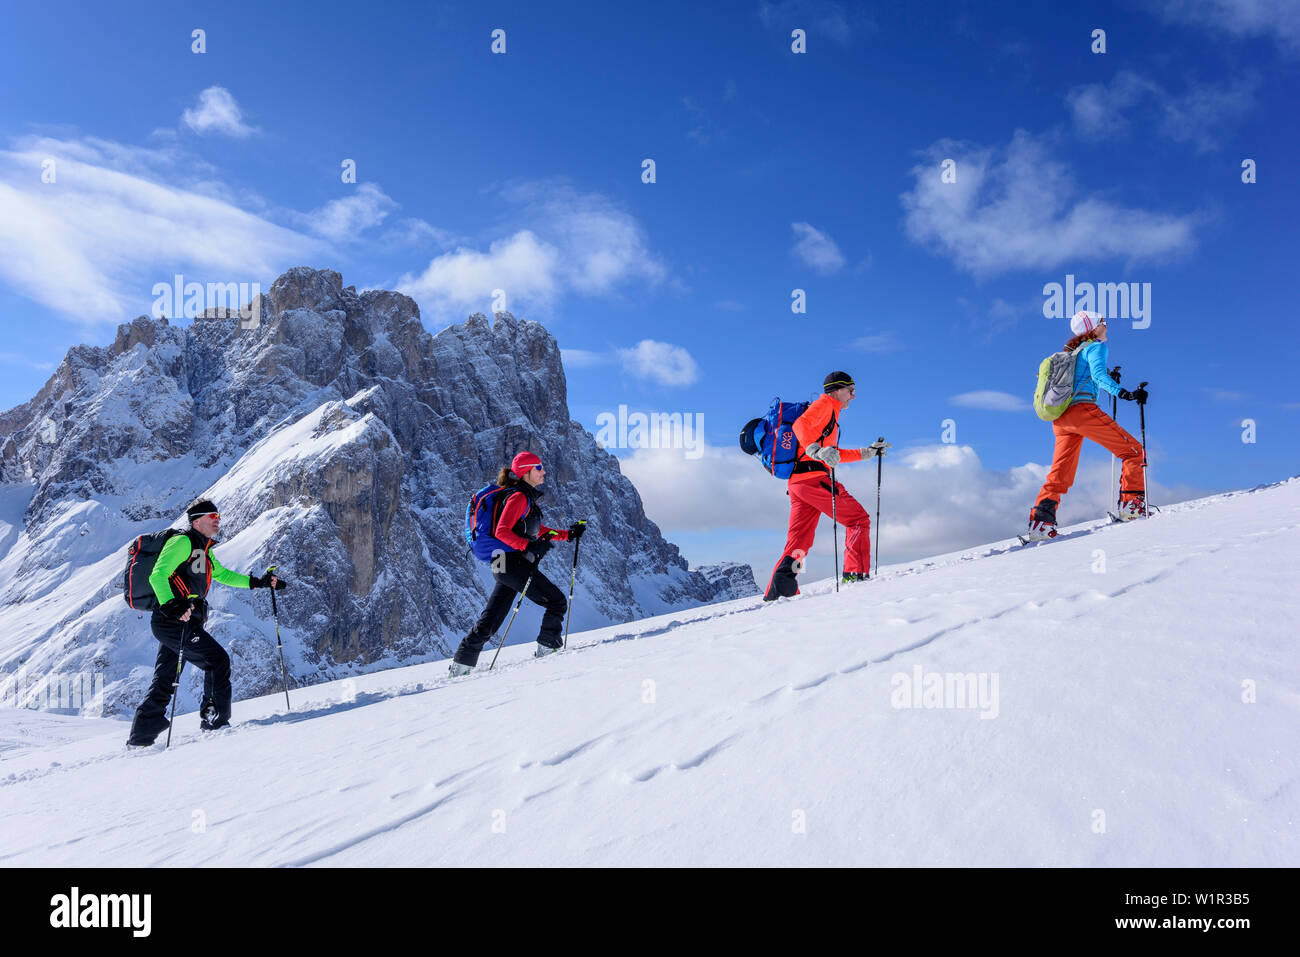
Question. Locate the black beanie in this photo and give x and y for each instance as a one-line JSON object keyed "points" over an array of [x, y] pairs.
{"points": [[837, 380], [200, 508]]}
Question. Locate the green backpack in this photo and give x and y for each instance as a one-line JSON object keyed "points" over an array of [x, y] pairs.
{"points": [[1055, 388]]}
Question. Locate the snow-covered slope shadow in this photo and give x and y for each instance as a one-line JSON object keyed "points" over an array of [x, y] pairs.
{"points": [[1132, 701]]}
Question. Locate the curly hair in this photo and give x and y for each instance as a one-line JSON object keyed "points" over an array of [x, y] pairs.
{"points": [[1075, 341], [507, 478]]}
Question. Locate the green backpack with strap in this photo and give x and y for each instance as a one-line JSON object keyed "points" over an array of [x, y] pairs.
{"points": [[1055, 390]]}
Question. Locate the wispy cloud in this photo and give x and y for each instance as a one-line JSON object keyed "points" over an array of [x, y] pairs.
{"points": [[14, 358], [1279, 19], [816, 249], [117, 219], [1200, 115], [660, 362], [990, 401], [729, 305], [572, 242], [836, 21], [1226, 396], [344, 219], [217, 112], [881, 342], [1018, 207], [582, 358]]}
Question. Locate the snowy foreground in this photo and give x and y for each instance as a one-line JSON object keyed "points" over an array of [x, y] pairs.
{"points": [[1135, 702]]}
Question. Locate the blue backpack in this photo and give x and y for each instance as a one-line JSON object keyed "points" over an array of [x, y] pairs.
{"points": [[481, 517], [772, 438]]}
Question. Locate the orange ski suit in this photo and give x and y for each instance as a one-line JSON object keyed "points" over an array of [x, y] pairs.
{"points": [[810, 498]]}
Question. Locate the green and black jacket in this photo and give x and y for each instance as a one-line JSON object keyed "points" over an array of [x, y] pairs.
{"points": [[186, 567]]}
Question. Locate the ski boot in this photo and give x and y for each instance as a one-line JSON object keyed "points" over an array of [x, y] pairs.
{"points": [[457, 670], [1042, 522], [1132, 506], [850, 577], [544, 650], [1039, 531], [210, 720]]}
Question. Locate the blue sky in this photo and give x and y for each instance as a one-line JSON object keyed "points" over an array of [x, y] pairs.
{"points": [[775, 171]]}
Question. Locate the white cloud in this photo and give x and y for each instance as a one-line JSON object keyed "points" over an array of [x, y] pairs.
{"points": [[523, 265], [1241, 18], [571, 242], [92, 244], [1019, 208], [343, 219], [936, 499], [1199, 115], [582, 358], [826, 18], [816, 249], [729, 305], [15, 358], [217, 112], [878, 343], [660, 362], [990, 401]]}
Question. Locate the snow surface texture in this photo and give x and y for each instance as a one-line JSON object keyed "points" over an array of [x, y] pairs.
{"points": [[1145, 712], [341, 442]]}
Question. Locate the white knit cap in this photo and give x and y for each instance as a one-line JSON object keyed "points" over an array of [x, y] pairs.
{"points": [[1082, 322]]}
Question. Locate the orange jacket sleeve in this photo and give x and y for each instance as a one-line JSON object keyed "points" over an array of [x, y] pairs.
{"points": [[808, 428]]}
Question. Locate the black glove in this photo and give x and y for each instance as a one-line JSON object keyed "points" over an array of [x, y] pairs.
{"points": [[1114, 374], [175, 608], [537, 550], [1126, 395], [200, 614], [576, 530], [1140, 395], [263, 581]]}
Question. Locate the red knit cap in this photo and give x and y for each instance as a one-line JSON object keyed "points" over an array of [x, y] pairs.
{"points": [[523, 462]]}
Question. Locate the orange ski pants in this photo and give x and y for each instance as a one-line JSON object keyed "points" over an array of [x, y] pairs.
{"points": [[1086, 421]]}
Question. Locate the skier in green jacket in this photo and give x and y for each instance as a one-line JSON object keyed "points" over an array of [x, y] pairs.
{"points": [[180, 580]]}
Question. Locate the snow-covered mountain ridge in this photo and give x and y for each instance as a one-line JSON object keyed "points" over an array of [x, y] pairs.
{"points": [[341, 442], [1132, 701]]}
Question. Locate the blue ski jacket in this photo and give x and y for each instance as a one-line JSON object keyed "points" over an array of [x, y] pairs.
{"points": [[1092, 372]]}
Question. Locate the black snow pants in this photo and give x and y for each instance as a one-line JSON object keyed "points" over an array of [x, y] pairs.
{"points": [[200, 649], [509, 582]]}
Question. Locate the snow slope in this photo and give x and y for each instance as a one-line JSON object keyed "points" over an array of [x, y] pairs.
{"points": [[1141, 708]]}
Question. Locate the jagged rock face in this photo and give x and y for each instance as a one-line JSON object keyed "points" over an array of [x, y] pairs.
{"points": [[341, 441]]}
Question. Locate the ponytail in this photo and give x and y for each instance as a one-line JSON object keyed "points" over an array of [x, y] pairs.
{"points": [[507, 478], [1079, 340]]}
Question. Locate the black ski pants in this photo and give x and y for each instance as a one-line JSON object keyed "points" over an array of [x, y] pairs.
{"points": [[509, 583], [200, 649]]}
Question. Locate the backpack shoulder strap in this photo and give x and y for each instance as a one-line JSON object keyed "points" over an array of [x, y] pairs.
{"points": [[830, 426]]}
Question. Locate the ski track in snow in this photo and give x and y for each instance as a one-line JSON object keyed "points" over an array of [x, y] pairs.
{"points": [[1120, 694]]}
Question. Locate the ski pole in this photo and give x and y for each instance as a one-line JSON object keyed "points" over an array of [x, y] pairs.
{"points": [[572, 581], [176, 685], [276, 615], [880, 461], [1142, 420], [510, 622], [1114, 414], [835, 533]]}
